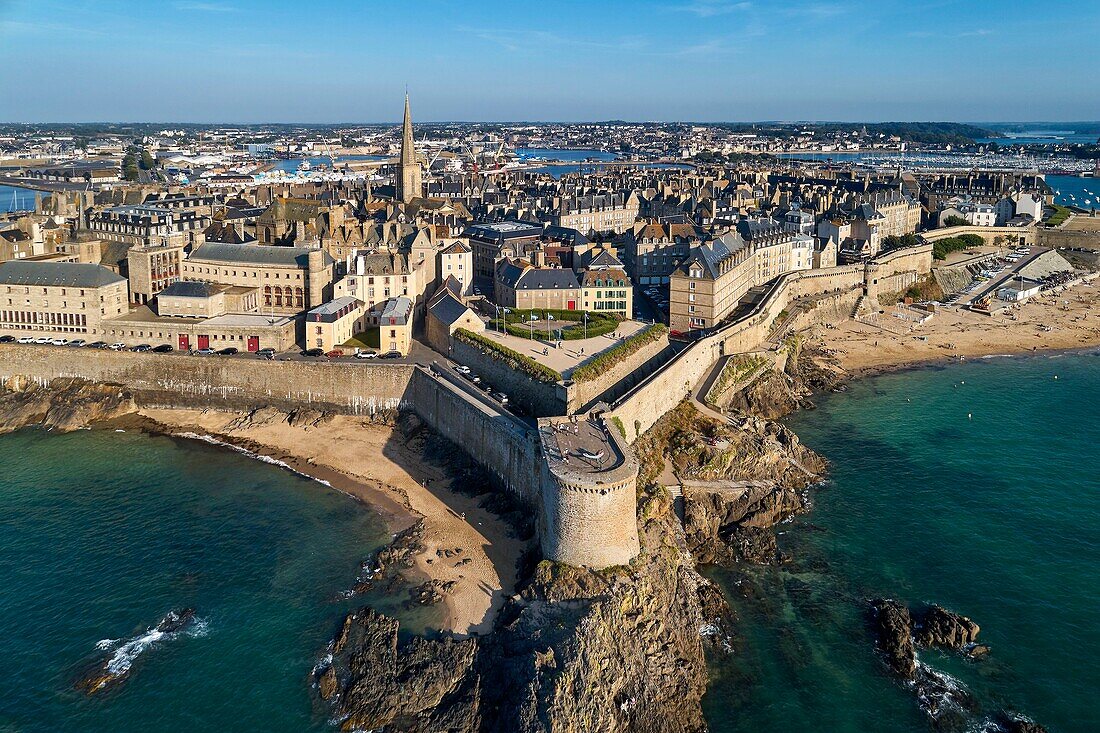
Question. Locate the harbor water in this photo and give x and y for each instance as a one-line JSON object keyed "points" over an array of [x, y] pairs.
{"points": [[973, 486], [103, 534]]}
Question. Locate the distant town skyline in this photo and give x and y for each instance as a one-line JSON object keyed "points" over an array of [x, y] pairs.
{"points": [[240, 61]]}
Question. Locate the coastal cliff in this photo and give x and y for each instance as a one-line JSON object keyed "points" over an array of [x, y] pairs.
{"points": [[574, 650], [62, 405]]}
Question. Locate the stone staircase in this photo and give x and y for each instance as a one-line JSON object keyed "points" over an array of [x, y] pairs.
{"points": [[677, 494], [859, 304]]}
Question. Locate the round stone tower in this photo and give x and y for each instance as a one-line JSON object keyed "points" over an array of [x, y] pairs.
{"points": [[589, 494]]}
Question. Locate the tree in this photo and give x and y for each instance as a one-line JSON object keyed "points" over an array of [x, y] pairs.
{"points": [[955, 221], [147, 162]]}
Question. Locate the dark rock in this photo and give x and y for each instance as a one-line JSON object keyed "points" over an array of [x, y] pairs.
{"points": [[415, 686], [64, 405], [940, 628], [894, 633]]}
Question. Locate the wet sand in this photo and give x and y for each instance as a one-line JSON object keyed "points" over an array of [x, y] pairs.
{"points": [[375, 464]]}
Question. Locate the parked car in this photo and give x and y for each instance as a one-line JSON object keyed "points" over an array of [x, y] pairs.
{"points": [[366, 354], [24, 340], [501, 397], [475, 379], [59, 342], [98, 345], [266, 353], [334, 354], [6, 339], [77, 343], [43, 340], [462, 369], [313, 352], [163, 349], [391, 355], [229, 351], [117, 346], [205, 352], [142, 347]]}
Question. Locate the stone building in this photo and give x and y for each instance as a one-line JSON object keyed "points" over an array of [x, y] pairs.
{"points": [[290, 279], [520, 284], [151, 267], [710, 282], [59, 299], [332, 324]]}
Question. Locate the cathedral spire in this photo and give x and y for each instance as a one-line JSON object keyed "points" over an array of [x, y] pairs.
{"points": [[408, 151], [409, 182]]}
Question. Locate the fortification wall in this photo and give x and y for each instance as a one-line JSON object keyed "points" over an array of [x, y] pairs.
{"points": [[212, 381], [1022, 235], [642, 406], [619, 378], [1068, 238], [537, 398], [496, 440]]}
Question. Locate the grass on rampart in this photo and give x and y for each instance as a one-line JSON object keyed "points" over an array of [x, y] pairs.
{"points": [[736, 370], [509, 357], [614, 355], [570, 322], [1058, 218]]}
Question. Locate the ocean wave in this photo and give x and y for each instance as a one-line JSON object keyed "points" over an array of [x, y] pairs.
{"points": [[124, 653]]}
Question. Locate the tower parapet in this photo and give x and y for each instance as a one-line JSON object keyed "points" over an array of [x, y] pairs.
{"points": [[589, 493]]}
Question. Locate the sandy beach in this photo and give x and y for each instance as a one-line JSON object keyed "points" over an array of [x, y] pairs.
{"points": [[377, 464], [1072, 317]]}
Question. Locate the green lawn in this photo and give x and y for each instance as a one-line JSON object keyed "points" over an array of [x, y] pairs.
{"points": [[366, 340]]}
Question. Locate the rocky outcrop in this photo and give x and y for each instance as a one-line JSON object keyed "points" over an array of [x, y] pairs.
{"points": [[305, 417], [894, 634], [738, 480], [950, 706], [575, 650], [899, 631], [62, 405], [417, 685], [728, 522], [771, 395], [938, 627]]}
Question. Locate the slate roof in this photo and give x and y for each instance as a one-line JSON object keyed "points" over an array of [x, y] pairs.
{"points": [[255, 254], [62, 274], [190, 289], [447, 309]]}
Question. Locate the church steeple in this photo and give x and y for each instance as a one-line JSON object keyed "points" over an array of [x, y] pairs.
{"points": [[408, 175], [408, 150]]}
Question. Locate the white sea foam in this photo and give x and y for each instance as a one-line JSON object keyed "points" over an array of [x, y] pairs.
{"points": [[252, 454], [124, 654]]}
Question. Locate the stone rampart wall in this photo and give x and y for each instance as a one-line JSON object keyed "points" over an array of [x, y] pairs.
{"points": [[540, 399], [619, 378], [213, 381], [1068, 238], [1025, 235]]}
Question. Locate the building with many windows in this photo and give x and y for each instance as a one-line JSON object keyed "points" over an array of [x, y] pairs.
{"points": [[289, 279], [61, 299], [710, 282]]}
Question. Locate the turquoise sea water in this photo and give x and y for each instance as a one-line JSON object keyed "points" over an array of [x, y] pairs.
{"points": [[103, 533], [996, 516]]}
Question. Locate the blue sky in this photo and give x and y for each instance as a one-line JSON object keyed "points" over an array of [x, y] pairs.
{"points": [[701, 60]]}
